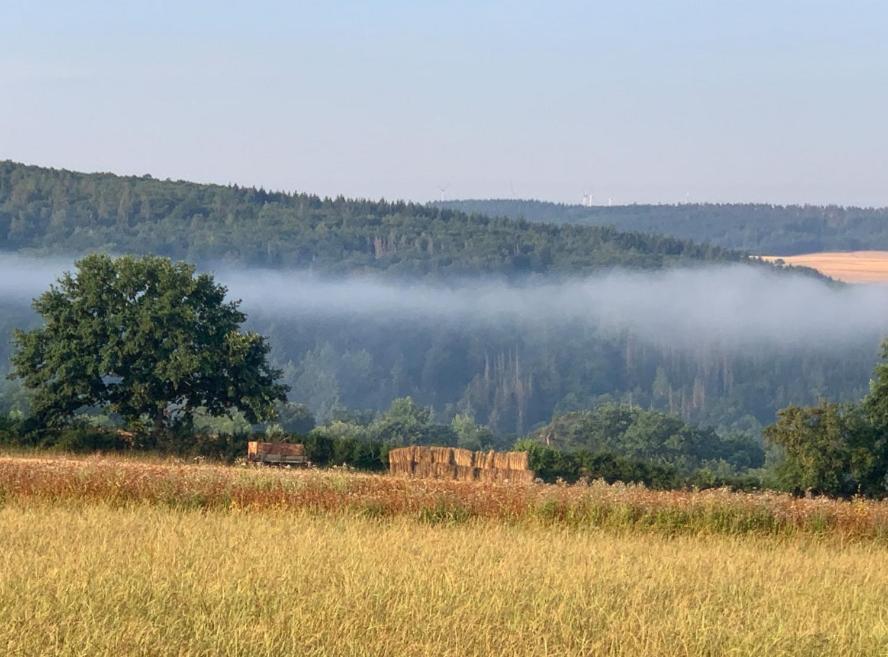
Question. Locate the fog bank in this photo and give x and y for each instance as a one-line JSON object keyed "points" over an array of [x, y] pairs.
{"points": [[731, 306]]}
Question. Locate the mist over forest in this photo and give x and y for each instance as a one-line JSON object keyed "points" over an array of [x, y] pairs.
{"points": [[723, 345]]}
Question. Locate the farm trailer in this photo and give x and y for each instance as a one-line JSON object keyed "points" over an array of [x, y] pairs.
{"points": [[275, 453]]}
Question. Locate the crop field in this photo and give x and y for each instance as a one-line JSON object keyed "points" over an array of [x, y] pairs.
{"points": [[850, 267], [112, 556]]}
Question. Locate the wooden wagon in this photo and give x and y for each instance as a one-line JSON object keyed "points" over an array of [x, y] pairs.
{"points": [[275, 453]]}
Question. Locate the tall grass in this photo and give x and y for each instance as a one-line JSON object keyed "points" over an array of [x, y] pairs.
{"points": [[144, 579], [122, 482]]}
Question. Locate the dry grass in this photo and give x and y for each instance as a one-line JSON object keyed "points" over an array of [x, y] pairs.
{"points": [[851, 266], [123, 482], [143, 579]]}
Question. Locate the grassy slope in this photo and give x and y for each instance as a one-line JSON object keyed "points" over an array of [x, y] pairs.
{"points": [[105, 581]]}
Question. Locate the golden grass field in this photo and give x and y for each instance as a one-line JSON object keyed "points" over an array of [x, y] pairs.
{"points": [[850, 267], [111, 556]]}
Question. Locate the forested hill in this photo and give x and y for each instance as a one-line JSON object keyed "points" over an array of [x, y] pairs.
{"points": [[55, 211], [752, 228]]}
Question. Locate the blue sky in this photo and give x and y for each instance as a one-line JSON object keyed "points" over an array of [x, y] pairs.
{"points": [[631, 101]]}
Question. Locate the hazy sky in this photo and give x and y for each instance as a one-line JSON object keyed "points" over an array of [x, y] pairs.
{"points": [[636, 101]]}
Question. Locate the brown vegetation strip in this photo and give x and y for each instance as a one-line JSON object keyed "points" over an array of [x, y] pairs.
{"points": [[119, 481]]}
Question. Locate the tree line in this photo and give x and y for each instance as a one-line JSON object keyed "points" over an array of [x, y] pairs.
{"points": [[748, 227], [55, 211]]}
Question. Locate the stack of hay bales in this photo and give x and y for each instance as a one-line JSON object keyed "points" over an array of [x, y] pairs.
{"points": [[401, 461], [462, 464]]}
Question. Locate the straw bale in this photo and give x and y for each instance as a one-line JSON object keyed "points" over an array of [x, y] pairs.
{"points": [[461, 464], [466, 473], [444, 471], [521, 461], [442, 455], [463, 457], [486, 460], [528, 476], [401, 456]]}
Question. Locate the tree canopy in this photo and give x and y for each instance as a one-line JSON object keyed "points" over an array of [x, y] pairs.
{"points": [[646, 435], [749, 227], [53, 211], [837, 449], [146, 339]]}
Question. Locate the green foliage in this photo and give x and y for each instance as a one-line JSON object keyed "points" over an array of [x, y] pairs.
{"points": [[143, 339], [831, 449], [326, 447], [407, 423], [62, 211], [754, 228], [552, 464], [86, 439], [10, 430], [295, 418], [876, 402], [470, 434], [647, 436], [837, 449], [511, 378]]}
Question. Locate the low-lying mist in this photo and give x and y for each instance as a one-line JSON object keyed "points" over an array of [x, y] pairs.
{"points": [[734, 306]]}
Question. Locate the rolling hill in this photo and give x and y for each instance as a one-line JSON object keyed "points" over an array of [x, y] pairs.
{"points": [[752, 228], [55, 211]]}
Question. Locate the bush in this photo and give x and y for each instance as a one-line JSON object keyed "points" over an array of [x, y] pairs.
{"points": [[323, 449], [551, 464], [85, 439], [11, 431]]}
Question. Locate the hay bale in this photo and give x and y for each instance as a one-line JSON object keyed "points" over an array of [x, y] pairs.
{"points": [[519, 461], [461, 464], [442, 455], [444, 471], [401, 461], [486, 460], [466, 473], [528, 476], [464, 458]]}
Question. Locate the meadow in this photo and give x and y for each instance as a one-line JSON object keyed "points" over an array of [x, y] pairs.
{"points": [[123, 481], [112, 556]]}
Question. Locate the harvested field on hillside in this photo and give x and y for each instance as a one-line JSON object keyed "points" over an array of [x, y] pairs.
{"points": [[850, 267], [122, 482], [140, 580]]}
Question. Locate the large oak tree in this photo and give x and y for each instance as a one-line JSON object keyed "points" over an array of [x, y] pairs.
{"points": [[146, 339]]}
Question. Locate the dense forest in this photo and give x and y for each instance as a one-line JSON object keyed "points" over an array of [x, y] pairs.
{"points": [[514, 376], [55, 211], [511, 376], [752, 228]]}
